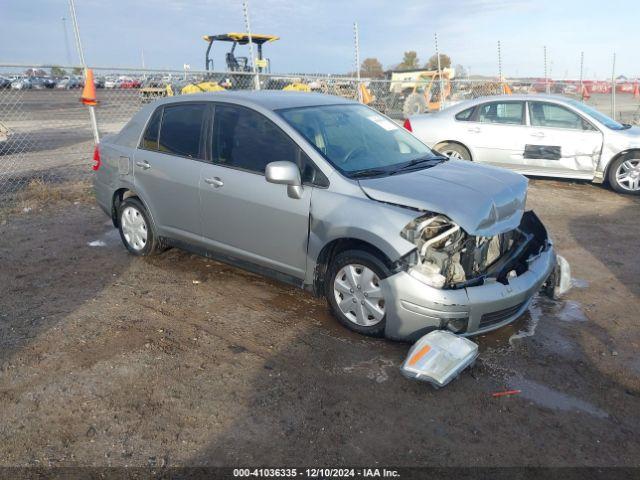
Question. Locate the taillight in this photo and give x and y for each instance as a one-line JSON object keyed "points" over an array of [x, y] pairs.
{"points": [[407, 125], [96, 157]]}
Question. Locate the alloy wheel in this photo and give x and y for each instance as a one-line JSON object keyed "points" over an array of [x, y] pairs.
{"points": [[628, 174]]}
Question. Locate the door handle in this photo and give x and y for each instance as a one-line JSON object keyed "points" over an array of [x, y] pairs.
{"points": [[474, 130], [144, 165], [215, 181], [537, 134]]}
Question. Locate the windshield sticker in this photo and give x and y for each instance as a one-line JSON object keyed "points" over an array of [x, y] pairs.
{"points": [[383, 122]]}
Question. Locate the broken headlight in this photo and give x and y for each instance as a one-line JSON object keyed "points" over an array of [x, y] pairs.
{"points": [[438, 241]]}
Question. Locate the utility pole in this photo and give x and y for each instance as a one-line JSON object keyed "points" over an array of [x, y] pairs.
{"points": [[247, 23], [76, 30], [66, 41], [356, 41]]}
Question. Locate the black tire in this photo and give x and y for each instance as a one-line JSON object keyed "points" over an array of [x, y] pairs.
{"points": [[612, 176], [414, 104], [447, 148], [152, 244], [355, 257]]}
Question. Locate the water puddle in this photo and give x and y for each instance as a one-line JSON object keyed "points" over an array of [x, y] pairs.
{"points": [[553, 399]]}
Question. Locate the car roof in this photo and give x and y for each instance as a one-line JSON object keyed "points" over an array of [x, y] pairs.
{"points": [[267, 99]]}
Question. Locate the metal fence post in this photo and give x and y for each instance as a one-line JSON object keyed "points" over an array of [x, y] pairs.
{"points": [[356, 40], [247, 22], [613, 87], [582, 75], [440, 74], [546, 75], [92, 111]]}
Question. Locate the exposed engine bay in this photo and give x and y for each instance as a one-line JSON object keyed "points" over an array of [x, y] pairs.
{"points": [[448, 257]]}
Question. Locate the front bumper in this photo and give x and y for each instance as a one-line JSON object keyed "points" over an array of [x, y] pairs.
{"points": [[415, 308]]}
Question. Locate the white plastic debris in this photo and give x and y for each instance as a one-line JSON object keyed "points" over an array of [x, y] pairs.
{"points": [[439, 357], [97, 243], [563, 278]]}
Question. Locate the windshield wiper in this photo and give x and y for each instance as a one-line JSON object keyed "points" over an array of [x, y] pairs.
{"points": [[369, 172], [418, 161]]}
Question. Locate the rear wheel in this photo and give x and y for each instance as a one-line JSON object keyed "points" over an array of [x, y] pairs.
{"points": [[136, 229], [454, 151], [354, 292], [624, 175]]}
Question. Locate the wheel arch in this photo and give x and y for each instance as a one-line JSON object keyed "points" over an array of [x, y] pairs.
{"points": [[457, 142], [120, 195], [333, 248]]}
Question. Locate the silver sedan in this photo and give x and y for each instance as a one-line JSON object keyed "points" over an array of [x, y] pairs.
{"points": [[537, 135]]}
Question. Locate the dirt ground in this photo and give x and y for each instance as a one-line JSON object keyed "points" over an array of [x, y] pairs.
{"points": [[107, 359]]}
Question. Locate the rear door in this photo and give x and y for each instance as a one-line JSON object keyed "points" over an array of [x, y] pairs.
{"points": [[560, 142], [167, 168], [496, 133], [242, 214]]}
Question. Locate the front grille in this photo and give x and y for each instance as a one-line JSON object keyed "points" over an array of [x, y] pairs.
{"points": [[499, 316]]}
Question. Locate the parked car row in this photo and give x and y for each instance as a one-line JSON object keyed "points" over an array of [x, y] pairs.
{"points": [[41, 83]]}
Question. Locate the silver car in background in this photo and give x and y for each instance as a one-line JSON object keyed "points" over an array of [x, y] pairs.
{"points": [[542, 135], [331, 196]]}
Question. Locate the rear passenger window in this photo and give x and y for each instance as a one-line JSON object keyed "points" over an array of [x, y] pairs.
{"points": [[506, 113], [181, 129], [150, 137], [245, 139], [465, 115]]}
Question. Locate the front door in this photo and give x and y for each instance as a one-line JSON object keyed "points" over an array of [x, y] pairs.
{"points": [[560, 142], [242, 214], [167, 168]]}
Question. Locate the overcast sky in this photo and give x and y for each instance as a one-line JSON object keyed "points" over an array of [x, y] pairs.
{"points": [[317, 36]]}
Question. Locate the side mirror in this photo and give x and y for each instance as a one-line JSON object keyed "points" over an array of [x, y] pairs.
{"points": [[285, 173]]}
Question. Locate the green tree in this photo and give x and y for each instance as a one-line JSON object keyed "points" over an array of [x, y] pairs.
{"points": [[58, 71], [432, 64], [409, 61], [371, 68], [77, 71]]}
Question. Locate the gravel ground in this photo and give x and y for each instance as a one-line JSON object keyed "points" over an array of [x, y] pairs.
{"points": [[107, 359]]}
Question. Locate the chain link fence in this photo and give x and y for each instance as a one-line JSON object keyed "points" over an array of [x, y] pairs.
{"points": [[45, 132]]}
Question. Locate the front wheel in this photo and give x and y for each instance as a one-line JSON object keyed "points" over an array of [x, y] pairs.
{"points": [[354, 292], [454, 151], [624, 175]]}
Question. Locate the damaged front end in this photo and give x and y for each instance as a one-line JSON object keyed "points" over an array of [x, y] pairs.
{"points": [[449, 258]]}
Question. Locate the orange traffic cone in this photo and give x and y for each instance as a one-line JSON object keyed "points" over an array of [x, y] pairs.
{"points": [[506, 89], [636, 91], [89, 90], [585, 93]]}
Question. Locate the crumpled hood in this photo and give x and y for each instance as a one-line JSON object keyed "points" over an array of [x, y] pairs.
{"points": [[483, 200]]}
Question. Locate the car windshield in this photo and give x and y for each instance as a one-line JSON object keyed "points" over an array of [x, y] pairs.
{"points": [[601, 117], [358, 141]]}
